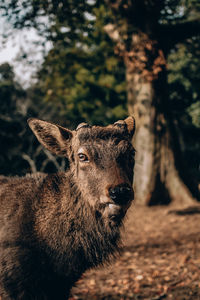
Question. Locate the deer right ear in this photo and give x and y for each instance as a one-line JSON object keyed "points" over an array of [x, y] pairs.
{"points": [[128, 124], [53, 137]]}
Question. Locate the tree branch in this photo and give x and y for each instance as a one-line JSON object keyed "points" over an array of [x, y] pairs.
{"points": [[31, 162], [52, 158], [173, 34]]}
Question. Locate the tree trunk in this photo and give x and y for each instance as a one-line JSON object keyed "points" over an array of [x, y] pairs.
{"points": [[157, 179]]}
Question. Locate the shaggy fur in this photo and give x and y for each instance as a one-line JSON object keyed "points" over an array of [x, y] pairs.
{"points": [[54, 227]]}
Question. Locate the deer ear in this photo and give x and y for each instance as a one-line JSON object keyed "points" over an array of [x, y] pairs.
{"points": [[130, 123], [53, 137]]}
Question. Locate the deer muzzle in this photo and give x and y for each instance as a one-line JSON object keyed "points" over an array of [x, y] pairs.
{"points": [[121, 194]]}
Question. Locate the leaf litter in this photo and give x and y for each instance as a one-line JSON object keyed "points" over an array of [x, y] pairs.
{"points": [[160, 260]]}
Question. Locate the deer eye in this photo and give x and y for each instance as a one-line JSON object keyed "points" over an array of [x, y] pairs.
{"points": [[83, 157]]}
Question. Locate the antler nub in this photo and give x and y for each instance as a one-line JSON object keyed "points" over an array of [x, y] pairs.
{"points": [[83, 125], [120, 123], [128, 125]]}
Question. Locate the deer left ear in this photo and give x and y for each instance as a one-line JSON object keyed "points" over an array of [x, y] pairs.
{"points": [[130, 123], [53, 137]]}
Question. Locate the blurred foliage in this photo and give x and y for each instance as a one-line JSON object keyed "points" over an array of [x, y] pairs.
{"points": [[11, 120], [85, 81], [179, 10], [20, 153], [184, 81], [184, 97]]}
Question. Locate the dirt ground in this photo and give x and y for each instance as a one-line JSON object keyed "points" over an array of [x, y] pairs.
{"points": [[160, 259]]}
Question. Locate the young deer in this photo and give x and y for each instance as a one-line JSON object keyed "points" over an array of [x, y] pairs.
{"points": [[54, 227]]}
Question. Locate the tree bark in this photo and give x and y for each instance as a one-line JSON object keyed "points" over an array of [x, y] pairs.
{"points": [[157, 180]]}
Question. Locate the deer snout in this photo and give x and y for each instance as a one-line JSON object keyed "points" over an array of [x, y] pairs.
{"points": [[121, 194]]}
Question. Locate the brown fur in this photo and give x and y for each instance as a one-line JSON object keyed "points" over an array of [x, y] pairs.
{"points": [[54, 227]]}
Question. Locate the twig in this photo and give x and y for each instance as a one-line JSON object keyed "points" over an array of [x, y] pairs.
{"points": [[31, 162]]}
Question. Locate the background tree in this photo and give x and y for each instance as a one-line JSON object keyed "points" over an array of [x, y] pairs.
{"points": [[145, 32]]}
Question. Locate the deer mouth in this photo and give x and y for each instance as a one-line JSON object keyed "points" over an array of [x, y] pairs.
{"points": [[116, 212], [112, 212]]}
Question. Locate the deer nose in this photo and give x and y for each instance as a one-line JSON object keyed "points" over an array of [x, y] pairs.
{"points": [[121, 194]]}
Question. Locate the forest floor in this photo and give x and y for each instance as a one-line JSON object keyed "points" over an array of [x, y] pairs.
{"points": [[160, 259]]}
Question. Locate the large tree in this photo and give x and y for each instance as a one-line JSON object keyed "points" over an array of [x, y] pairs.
{"points": [[145, 32]]}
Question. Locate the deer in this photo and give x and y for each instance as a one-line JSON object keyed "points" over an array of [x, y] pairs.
{"points": [[54, 227]]}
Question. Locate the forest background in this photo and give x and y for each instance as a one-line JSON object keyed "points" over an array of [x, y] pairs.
{"points": [[109, 59]]}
